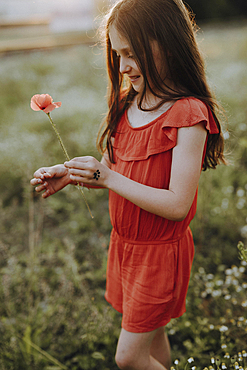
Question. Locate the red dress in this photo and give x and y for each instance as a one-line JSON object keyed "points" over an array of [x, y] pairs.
{"points": [[150, 257]]}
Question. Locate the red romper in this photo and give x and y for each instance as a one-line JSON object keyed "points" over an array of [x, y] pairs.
{"points": [[150, 257]]}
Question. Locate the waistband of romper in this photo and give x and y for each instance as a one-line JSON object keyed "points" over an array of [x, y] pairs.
{"points": [[153, 242]]}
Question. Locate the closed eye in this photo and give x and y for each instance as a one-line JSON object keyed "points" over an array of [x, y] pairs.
{"points": [[125, 52]]}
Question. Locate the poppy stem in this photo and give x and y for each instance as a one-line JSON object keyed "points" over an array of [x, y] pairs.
{"points": [[68, 158], [59, 137]]}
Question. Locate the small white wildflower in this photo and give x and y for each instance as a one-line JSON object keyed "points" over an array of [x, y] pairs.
{"points": [[227, 355], [223, 346], [187, 324], [244, 353], [210, 276], [241, 269], [190, 360], [229, 280], [227, 297], [176, 362], [240, 192], [212, 360], [219, 282], [216, 293], [244, 304], [241, 203], [223, 366], [244, 285], [211, 327], [201, 270], [228, 272], [193, 368], [223, 328]]}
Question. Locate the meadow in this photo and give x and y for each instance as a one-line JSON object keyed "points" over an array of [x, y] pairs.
{"points": [[53, 255]]}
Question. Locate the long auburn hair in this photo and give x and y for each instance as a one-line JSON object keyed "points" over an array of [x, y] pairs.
{"points": [[169, 23]]}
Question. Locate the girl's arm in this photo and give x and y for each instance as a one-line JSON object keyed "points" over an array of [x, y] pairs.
{"points": [[174, 203]]}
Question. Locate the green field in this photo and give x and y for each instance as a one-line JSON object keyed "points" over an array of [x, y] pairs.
{"points": [[53, 255]]}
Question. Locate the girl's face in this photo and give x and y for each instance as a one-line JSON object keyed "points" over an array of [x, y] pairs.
{"points": [[127, 63]]}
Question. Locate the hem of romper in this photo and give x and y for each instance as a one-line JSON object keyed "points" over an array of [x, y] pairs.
{"points": [[118, 308], [142, 329], [133, 328], [164, 322]]}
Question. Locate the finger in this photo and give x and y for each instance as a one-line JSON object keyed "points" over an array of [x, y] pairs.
{"points": [[36, 181], [46, 194], [46, 175], [39, 172], [74, 164], [78, 172], [80, 179], [41, 187], [80, 162]]}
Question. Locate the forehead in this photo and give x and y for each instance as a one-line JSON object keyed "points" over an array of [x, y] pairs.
{"points": [[118, 42]]}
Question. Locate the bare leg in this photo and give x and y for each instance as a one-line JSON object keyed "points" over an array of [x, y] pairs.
{"points": [[134, 351], [160, 348]]}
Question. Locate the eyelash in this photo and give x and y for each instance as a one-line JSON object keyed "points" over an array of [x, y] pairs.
{"points": [[131, 56]]}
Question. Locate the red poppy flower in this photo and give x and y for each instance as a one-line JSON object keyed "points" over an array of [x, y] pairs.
{"points": [[44, 102]]}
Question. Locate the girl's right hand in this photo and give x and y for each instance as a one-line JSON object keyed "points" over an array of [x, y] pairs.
{"points": [[51, 179]]}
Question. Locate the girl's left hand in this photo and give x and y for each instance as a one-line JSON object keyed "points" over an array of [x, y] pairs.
{"points": [[88, 170]]}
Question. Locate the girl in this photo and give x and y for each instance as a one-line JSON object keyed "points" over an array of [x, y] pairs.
{"points": [[160, 132]]}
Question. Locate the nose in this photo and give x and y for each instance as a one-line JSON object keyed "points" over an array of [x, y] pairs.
{"points": [[124, 66]]}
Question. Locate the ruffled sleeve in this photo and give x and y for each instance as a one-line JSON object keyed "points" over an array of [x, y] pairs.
{"points": [[160, 135]]}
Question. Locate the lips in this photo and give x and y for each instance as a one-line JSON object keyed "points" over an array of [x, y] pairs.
{"points": [[134, 78]]}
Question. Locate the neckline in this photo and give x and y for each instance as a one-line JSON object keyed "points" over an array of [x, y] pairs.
{"points": [[149, 123]]}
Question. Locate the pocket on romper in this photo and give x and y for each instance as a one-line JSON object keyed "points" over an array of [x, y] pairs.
{"points": [[149, 272]]}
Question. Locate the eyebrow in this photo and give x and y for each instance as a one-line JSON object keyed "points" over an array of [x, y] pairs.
{"points": [[122, 50]]}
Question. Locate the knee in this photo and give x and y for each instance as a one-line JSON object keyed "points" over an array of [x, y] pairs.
{"points": [[126, 361], [123, 361]]}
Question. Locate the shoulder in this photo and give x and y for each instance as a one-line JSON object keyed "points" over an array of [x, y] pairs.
{"points": [[191, 103], [190, 111]]}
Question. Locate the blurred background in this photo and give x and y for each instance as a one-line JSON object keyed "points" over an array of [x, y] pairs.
{"points": [[53, 255]]}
